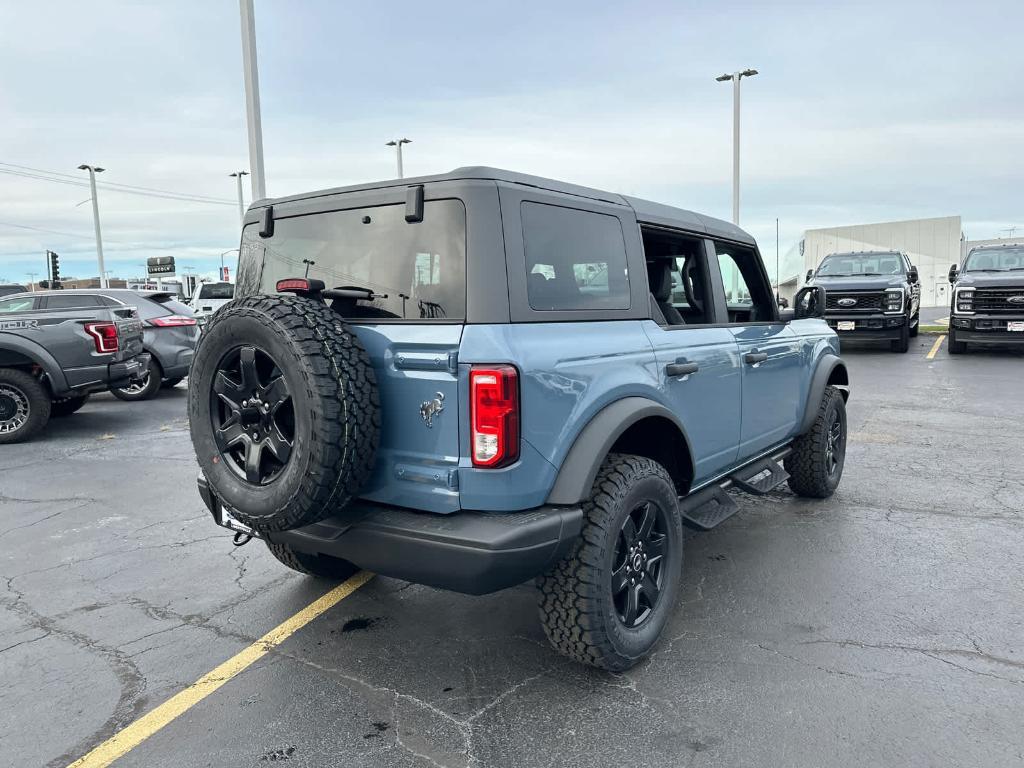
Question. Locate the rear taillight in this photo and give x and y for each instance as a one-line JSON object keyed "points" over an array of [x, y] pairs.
{"points": [[104, 336], [171, 321], [494, 415]]}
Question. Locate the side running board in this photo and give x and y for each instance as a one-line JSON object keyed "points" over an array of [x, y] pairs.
{"points": [[710, 506]]}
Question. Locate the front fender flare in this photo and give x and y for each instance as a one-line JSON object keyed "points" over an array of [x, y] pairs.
{"points": [[581, 465], [828, 365]]}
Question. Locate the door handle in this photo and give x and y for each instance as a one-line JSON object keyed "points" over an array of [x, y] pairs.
{"points": [[681, 369], [753, 358]]}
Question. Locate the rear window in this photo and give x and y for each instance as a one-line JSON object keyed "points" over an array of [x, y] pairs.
{"points": [[574, 259], [216, 291], [417, 269], [72, 301]]}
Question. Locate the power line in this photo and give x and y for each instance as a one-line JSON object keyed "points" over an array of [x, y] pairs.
{"points": [[83, 236], [129, 189]]}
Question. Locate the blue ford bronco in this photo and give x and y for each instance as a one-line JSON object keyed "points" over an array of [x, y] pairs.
{"points": [[479, 378]]}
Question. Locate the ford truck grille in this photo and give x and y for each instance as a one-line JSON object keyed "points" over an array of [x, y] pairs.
{"points": [[854, 301], [996, 301]]}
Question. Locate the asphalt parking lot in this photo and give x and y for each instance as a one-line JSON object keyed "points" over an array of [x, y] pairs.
{"points": [[882, 627]]}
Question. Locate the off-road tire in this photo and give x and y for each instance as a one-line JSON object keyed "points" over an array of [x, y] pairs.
{"points": [[807, 465], [916, 327], [171, 383], [575, 596], [321, 566], [334, 397], [38, 399], [148, 392], [956, 347], [66, 406], [902, 344]]}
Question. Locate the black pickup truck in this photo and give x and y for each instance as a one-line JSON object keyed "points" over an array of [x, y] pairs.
{"points": [[52, 357], [988, 298], [871, 296]]}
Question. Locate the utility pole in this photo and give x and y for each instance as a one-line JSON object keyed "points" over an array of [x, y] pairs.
{"points": [[250, 73], [778, 277], [93, 170], [241, 203], [397, 144], [31, 280], [735, 77]]}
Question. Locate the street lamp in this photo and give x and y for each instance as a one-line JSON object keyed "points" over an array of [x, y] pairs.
{"points": [[397, 144], [31, 280], [93, 170], [241, 204], [736, 77], [229, 250], [251, 77]]}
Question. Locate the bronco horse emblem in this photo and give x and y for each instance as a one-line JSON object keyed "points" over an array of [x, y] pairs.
{"points": [[431, 408]]}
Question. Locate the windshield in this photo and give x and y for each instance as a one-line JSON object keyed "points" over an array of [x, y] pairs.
{"points": [[216, 291], [850, 264], [417, 269], [995, 260]]}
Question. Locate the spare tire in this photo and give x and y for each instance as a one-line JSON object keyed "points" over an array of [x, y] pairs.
{"points": [[283, 410]]}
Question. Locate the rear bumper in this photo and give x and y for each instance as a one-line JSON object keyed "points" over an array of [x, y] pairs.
{"points": [[879, 327], [127, 371], [100, 378], [470, 552]]}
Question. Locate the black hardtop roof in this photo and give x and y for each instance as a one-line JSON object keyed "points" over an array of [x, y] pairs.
{"points": [[646, 211]]}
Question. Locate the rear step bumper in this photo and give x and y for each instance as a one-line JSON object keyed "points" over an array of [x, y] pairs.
{"points": [[470, 552]]}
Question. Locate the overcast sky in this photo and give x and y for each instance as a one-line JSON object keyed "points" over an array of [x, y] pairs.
{"points": [[862, 112]]}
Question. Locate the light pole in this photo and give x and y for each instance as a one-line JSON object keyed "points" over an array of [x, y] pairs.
{"points": [[397, 144], [241, 203], [250, 74], [93, 170], [229, 250], [31, 280], [736, 77]]}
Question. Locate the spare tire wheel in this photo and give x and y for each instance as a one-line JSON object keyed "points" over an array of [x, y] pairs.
{"points": [[283, 410]]}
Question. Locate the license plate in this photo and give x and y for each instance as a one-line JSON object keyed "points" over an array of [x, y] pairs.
{"points": [[1015, 325], [228, 521], [847, 325]]}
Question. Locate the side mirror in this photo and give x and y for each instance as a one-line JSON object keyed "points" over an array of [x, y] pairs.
{"points": [[810, 274], [809, 302], [912, 274], [953, 272]]}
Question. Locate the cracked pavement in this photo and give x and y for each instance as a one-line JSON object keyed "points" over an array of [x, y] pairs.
{"points": [[883, 626]]}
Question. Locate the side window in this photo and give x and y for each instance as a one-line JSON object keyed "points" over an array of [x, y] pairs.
{"points": [[747, 295], [574, 259], [71, 301], [677, 277], [24, 304]]}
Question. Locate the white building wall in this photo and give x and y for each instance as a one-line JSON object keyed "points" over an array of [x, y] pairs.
{"points": [[932, 244]]}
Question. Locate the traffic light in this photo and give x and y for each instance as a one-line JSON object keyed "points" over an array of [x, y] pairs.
{"points": [[54, 267]]}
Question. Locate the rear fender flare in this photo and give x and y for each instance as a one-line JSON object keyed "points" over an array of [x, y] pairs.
{"points": [[582, 463], [831, 369], [39, 356]]}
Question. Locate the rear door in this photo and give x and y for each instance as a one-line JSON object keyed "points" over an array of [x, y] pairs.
{"points": [[772, 357], [411, 328]]}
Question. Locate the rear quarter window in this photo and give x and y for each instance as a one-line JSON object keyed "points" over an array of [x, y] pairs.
{"points": [[575, 260]]}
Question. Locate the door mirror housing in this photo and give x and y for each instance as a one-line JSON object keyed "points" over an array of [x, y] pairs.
{"points": [[808, 302], [810, 274], [953, 273], [912, 275]]}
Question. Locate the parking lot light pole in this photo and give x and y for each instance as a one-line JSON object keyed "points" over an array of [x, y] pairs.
{"points": [[397, 144], [735, 77], [250, 73], [237, 175], [93, 170], [31, 280]]}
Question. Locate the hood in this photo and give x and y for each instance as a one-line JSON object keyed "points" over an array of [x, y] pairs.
{"points": [[991, 280], [859, 283]]}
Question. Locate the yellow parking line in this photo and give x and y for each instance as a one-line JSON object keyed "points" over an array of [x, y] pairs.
{"points": [[935, 347], [132, 735]]}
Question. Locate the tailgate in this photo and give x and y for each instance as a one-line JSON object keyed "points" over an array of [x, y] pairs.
{"points": [[129, 332]]}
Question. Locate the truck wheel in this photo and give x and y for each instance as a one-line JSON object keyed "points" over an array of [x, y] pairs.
{"points": [[902, 344], [607, 603], [143, 389], [956, 347], [321, 566], [24, 406], [816, 463], [283, 411], [916, 328], [65, 406]]}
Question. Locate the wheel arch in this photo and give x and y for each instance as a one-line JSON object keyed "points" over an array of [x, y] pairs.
{"points": [[831, 372], [20, 353], [634, 425]]}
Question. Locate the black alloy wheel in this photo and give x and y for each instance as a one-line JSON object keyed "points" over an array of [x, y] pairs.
{"points": [[15, 408], [252, 415], [835, 442], [637, 574]]}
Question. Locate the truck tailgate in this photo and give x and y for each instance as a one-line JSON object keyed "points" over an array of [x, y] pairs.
{"points": [[129, 332]]}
